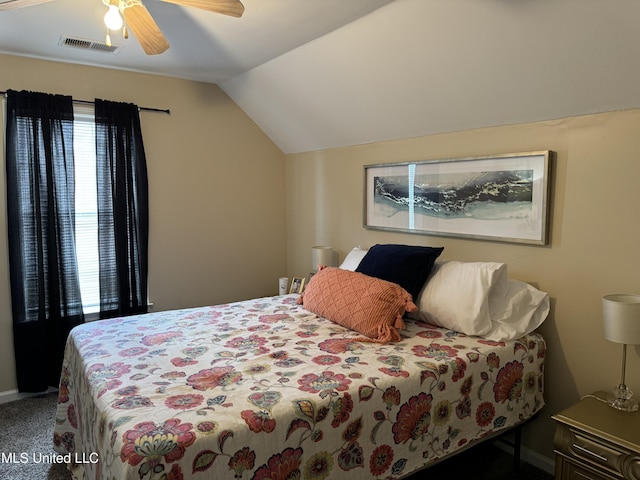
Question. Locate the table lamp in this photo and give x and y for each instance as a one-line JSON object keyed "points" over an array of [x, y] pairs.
{"points": [[321, 255], [621, 318]]}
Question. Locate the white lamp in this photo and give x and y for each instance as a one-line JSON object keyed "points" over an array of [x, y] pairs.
{"points": [[321, 255], [621, 317]]}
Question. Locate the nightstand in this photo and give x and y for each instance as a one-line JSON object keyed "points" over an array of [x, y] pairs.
{"points": [[597, 442]]}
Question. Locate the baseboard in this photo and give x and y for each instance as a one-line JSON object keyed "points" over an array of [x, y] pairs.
{"points": [[12, 395], [531, 457], [538, 460]]}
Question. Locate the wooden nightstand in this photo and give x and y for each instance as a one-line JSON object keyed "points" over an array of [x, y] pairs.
{"points": [[595, 441]]}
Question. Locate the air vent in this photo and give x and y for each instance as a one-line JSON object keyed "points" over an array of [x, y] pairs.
{"points": [[85, 44]]}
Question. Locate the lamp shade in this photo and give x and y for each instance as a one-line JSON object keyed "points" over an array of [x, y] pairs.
{"points": [[621, 318], [321, 255]]}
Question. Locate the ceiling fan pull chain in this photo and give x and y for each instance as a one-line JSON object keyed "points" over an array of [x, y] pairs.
{"points": [[108, 39], [122, 5]]}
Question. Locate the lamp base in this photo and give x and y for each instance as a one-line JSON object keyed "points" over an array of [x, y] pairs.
{"points": [[624, 404], [622, 399]]}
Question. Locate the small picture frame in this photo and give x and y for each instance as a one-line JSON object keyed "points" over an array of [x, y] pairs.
{"points": [[297, 285]]}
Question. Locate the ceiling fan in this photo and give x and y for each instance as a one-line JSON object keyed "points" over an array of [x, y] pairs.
{"points": [[132, 14]]}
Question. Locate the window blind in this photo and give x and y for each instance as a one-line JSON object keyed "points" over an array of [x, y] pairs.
{"points": [[84, 147]]}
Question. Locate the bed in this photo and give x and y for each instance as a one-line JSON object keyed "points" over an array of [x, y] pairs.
{"points": [[268, 389]]}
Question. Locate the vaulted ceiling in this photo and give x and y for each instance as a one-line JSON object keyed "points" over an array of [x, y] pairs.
{"points": [[318, 74]]}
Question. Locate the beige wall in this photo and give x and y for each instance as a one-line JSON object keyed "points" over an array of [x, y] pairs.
{"points": [[216, 187], [595, 234]]}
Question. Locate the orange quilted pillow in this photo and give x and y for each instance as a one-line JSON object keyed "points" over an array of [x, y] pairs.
{"points": [[368, 305]]}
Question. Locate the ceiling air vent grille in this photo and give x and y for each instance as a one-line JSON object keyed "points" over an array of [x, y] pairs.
{"points": [[84, 44]]}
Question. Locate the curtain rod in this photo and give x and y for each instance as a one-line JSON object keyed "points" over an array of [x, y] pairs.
{"points": [[89, 102]]}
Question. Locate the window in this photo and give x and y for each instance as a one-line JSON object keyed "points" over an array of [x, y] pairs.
{"points": [[86, 203], [84, 149], [50, 292]]}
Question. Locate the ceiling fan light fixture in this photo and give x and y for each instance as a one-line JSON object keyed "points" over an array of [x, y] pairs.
{"points": [[123, 15], [113, 19]]}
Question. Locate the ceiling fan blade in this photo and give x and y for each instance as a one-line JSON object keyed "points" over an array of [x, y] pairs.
{"points": [[233, 8], [145, 29], [15, 4]]}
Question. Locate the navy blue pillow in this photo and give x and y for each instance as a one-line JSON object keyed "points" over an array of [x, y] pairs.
{"points": [[407, 265]]}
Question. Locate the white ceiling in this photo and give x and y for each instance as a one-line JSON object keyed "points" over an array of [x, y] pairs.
{"points": [[205, 46], [317, 74]]}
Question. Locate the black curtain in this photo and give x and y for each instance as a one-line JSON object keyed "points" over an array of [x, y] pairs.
{"points": [[123, 209], [45, 290]]}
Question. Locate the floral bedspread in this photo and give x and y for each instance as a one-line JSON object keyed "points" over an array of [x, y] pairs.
{"points": [[264, 389]]}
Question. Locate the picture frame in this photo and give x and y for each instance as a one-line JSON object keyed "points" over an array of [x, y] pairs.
{"points": [[501, 197], [297, 285]]}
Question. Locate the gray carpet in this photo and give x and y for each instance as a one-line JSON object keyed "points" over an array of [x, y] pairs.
{"points": [[26, 430], [26, 435]]}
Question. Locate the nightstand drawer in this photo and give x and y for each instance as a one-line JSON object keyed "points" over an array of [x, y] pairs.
{"points": [[568, 470], [605, 456], [595, 450]]}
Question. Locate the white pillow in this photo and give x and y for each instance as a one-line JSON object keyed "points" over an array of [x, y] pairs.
{"points": [[478, 298], [353, 258], [520, 310], [456, 295]]}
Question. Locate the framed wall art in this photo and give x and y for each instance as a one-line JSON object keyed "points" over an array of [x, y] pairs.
{"points": [[502, 197]]}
